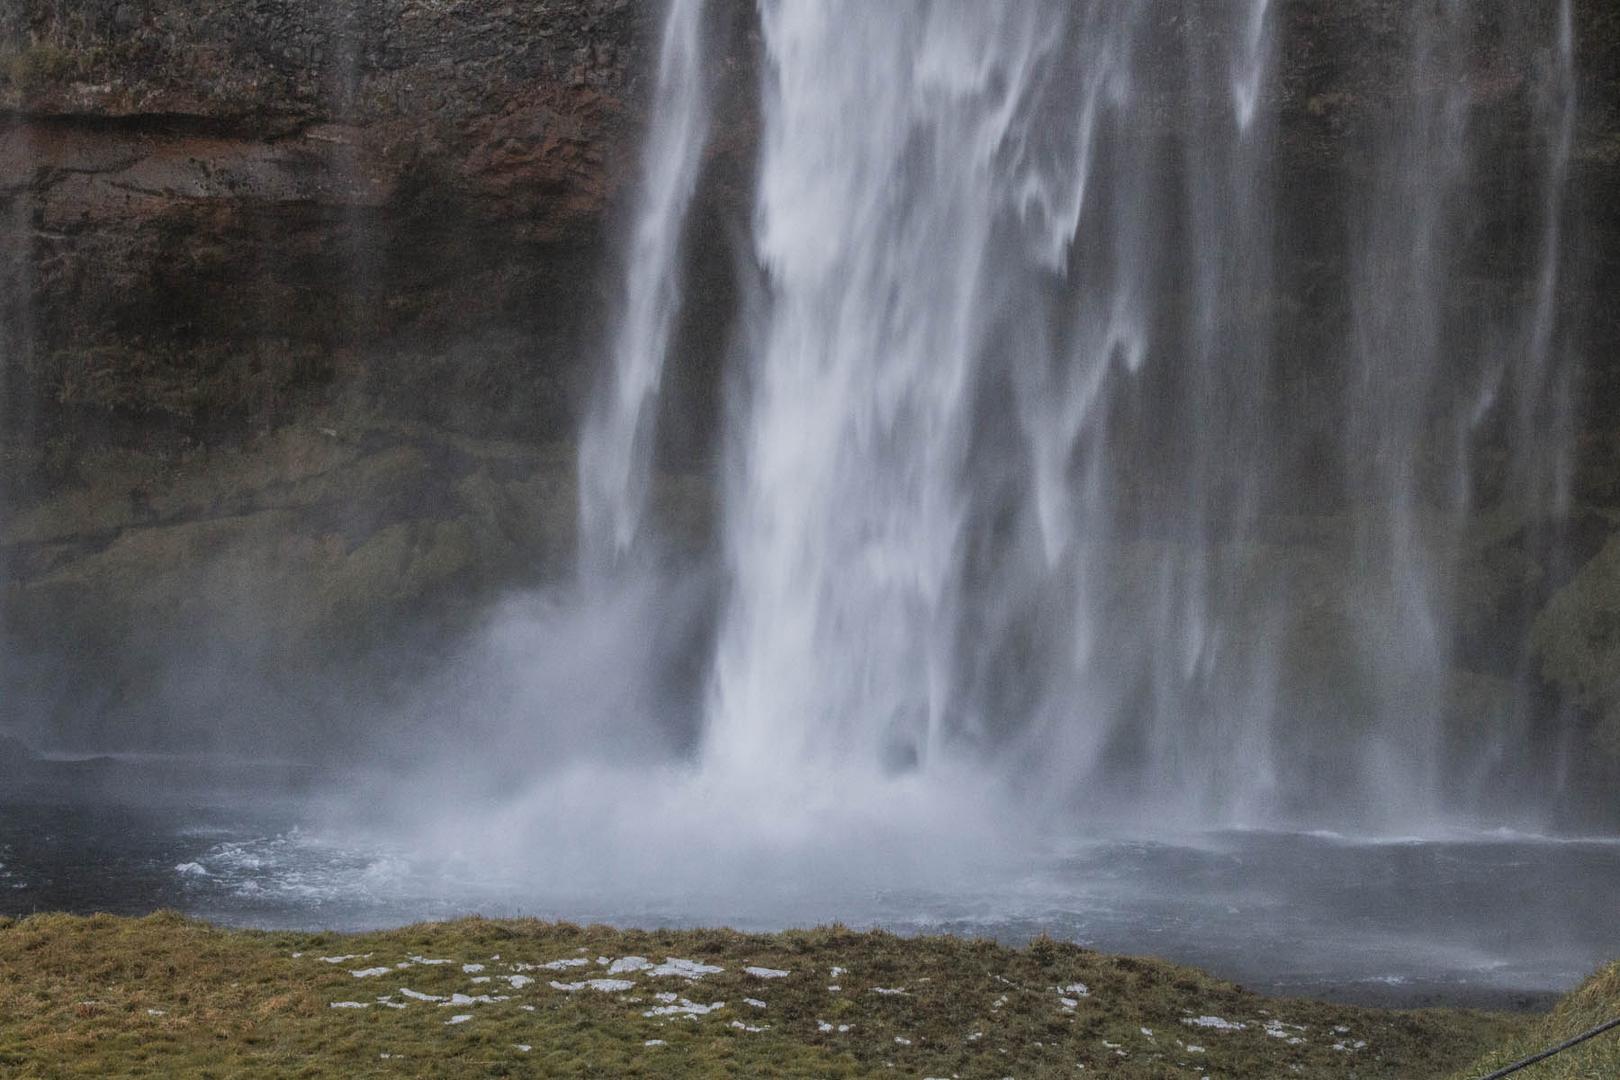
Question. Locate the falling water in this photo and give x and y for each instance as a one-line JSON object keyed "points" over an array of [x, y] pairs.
{"points": [[1023, 468], [1434, 363], [616, 444]]}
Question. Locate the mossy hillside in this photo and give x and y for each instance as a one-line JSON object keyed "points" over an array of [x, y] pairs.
{"points": [[164, 996], [1594, 1003]]}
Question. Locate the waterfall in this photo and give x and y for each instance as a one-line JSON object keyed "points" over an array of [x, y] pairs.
{"points": [[1434, 364], [1034, 457], [615, 447]]}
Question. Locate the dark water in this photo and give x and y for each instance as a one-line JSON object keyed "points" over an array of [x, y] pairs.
{"points": [[1491, 919]]}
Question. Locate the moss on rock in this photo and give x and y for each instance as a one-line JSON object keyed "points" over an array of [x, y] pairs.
{"points": [[1576, 642]]}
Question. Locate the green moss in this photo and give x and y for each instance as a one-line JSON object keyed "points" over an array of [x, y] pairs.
{"points": [[164, 996], [1576, 641], [38, 66]]}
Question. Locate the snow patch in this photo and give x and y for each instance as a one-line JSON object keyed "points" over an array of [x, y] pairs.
{"points": [[686, 969], [626, 964], [370, 973], [683, 1007], [461, 1019], [469, 999], [1213, 1022], [416, 995], [606, 986], [767, 973], [348, 1005]]}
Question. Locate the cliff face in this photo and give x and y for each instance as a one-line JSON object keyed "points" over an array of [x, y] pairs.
{"points": [[260, 262], [212, 211], [298, 301]]}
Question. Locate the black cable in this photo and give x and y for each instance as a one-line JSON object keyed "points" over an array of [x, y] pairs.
{"points": [[1550, 1051]]}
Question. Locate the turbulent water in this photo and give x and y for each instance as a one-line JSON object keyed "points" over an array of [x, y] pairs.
{"points": [[1024, 437]]}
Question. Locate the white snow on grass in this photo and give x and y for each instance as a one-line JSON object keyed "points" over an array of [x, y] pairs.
{"points": [[837, 971], [470, 999], [523, 1048], [479, 980], [683, 1007], [416, 995], [344, 959], [460, 1019], [1078, 990], [889, 991], [655, 1042], [471, 969], [686, 969], [429, 963], [626, 964], [755, 1002], [348, 1005], [1213, 1022], [519, 981], [825, 1028], [902, 1040], [1350, 1047], [370, 973], [1279, 1030], [767, 973], [740, 1026], [606, 986], [564, 965]]}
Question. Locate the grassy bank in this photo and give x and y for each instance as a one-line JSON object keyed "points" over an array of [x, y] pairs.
{"points": [[163, 996], [1594, 1003]]}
